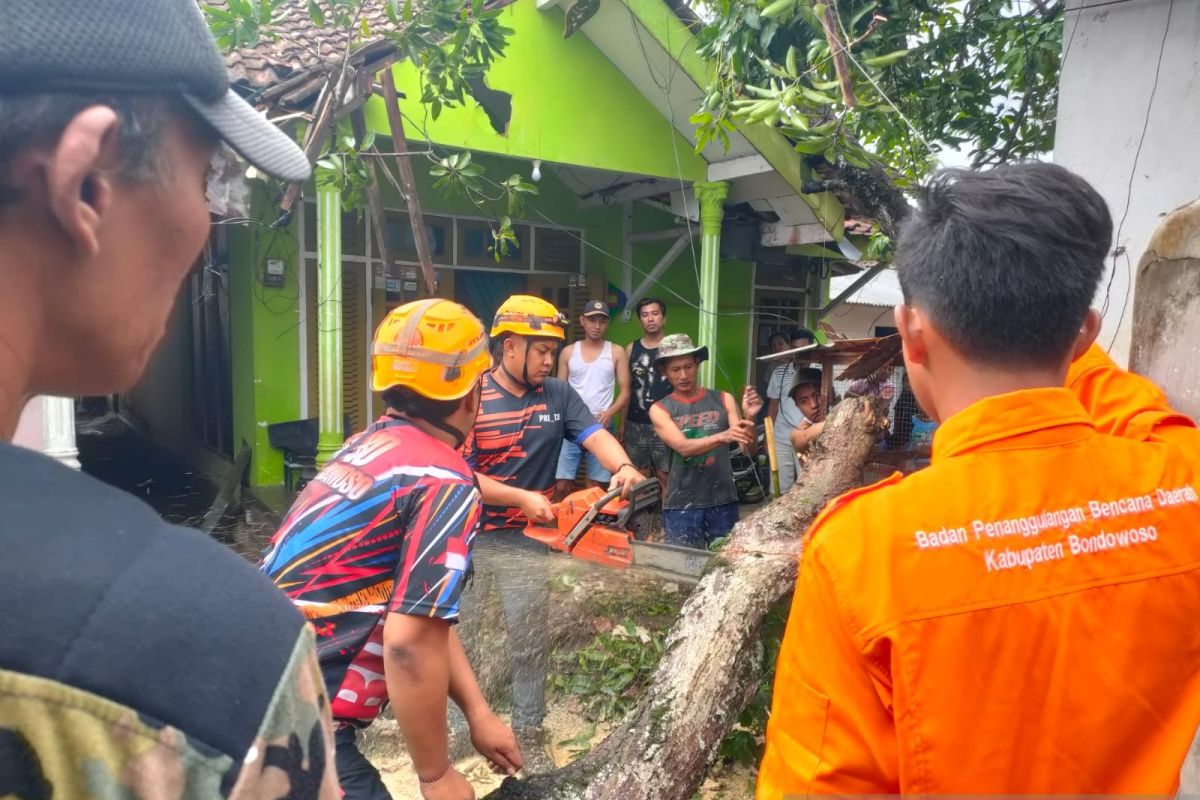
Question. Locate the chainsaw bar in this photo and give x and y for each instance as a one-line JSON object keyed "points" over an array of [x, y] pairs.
{"points": [[678, 562]]}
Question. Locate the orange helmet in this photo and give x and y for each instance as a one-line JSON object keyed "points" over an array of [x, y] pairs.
{"points": [[434, 347], [526, 315]]}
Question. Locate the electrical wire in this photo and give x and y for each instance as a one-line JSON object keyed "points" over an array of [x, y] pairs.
{"points": [[1129, 189]]}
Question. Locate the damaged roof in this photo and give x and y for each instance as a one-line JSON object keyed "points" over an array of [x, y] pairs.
{"points": [[297, 44]]}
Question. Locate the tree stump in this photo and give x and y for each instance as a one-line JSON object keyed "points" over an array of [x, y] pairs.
{"points": [[662, 749]]}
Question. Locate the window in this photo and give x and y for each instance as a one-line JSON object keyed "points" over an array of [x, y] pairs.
{"points": [[475, 245], [439, 232], [557, 251]]}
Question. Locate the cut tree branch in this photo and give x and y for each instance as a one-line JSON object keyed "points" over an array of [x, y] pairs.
{"points": [[829, 25], [710, 666], [391, 101]]}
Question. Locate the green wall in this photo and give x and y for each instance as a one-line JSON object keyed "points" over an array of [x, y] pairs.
{"points": [[265, 331], [570, 105]]}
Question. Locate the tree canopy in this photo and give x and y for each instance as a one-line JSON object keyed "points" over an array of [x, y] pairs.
{"points": [[885, 86]]}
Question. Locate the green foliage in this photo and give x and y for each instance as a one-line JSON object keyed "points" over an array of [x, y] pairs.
{"points": [[610, 674], [241, 23], [344, 167], [451, 42], [979, 73], [457, 174]]}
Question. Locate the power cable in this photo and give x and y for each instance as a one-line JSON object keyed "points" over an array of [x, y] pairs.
{"points": [[1129, 188]]}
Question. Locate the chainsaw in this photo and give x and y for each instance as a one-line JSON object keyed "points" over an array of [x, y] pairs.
{"points": [[599, 526]]}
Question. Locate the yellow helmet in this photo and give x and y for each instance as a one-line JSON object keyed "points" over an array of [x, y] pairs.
{"points": [[526, 315], [434, 347]]}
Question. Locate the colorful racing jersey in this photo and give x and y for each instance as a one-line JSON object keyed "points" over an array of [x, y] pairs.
{"points": [[516, 439], [386, 526]]}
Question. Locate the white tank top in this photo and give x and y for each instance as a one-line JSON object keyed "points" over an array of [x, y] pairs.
{"points": [[595, 381]]}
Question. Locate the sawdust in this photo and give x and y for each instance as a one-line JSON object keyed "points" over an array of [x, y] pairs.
{"points": [[567, 736]]}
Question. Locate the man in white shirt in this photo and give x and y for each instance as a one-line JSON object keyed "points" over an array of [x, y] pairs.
{"points": [[595, 368], [786, 414]]}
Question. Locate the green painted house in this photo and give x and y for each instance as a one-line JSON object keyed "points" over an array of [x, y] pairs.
{"points": [[626, 209]]}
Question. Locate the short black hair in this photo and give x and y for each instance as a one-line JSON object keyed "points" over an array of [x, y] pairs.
{"points": [[649, 301], [801, 333], [1006, 261], [411, 404], [26, 118]]}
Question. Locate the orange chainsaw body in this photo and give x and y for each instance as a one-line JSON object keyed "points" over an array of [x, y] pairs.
{"points": [[597, 542]]}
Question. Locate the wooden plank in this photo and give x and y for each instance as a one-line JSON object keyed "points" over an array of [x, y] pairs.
{"points": [[323, 122], [226, 491], [391, 102], [374, 199]]}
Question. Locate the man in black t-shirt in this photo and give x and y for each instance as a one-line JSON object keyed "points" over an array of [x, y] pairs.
{"points": [[138, 659], [646, 449], [524, 417]]}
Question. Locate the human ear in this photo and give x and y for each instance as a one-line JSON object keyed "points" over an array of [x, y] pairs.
{"points": [[912, 327], [1087, 333], [79, 192]]}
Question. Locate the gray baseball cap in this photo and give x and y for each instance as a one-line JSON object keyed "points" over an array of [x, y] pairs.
{"points": [[137, 46]]}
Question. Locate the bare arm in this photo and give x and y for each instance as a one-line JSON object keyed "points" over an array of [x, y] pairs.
{"points": [[624, 381], [564, 363], [773, 410], [750, 446], [532, 504], [491, 737], [672, 437], [417, 668], [805, 434]]}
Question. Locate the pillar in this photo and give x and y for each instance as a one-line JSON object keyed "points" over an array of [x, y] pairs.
{"points": [[58, 430], [329, 320], [712, 213]]}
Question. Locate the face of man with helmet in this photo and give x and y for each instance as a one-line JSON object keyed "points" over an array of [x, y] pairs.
{"points": [[528, 358]]}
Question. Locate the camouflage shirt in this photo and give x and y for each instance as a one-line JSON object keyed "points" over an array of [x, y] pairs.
{"points": [[143, 661]]}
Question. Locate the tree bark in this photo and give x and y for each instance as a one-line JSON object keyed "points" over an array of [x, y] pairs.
{"points": [[663, 748]]}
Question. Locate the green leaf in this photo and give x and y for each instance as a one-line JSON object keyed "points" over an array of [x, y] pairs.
{"points": [[790, 62], [316, 14], [885, 60], [777, 8]]}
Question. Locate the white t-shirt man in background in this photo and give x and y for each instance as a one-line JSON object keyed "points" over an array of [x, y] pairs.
{"points": [[783, 411]]}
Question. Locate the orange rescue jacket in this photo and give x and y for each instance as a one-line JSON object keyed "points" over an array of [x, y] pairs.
{"points": [[1023, 616]]}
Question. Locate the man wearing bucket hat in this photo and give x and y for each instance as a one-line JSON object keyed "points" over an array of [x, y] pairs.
{"points": [[699, 425], [525, 417], [376, 548], [138, 659]]}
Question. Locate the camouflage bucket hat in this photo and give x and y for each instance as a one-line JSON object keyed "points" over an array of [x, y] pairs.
{"points": [[679, 344]]}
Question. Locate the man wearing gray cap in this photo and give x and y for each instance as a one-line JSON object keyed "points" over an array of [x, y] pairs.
{"points": [[596, 369], [138, 659]]}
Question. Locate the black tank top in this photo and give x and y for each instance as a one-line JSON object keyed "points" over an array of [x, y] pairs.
{"points": [[649, 385], [705, 480]]}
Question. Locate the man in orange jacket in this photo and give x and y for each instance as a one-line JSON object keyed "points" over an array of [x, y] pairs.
{"points": [[1021, 616]]}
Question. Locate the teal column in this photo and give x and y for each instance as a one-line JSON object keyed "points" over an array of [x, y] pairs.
{"points": [[329, 320], [712, 213]]}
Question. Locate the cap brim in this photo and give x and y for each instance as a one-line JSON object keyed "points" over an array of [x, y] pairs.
{"points": [[253, 136], [604, 314]]}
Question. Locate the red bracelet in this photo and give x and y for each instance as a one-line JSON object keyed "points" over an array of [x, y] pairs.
{"points": [[437, 777]]}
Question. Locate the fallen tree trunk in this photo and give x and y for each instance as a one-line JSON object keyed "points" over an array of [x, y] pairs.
{"points": [[663, 748]]}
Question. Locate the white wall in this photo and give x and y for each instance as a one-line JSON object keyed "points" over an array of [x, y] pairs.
{"points": [[1107, 96], [858, 321], [29, 427]]}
